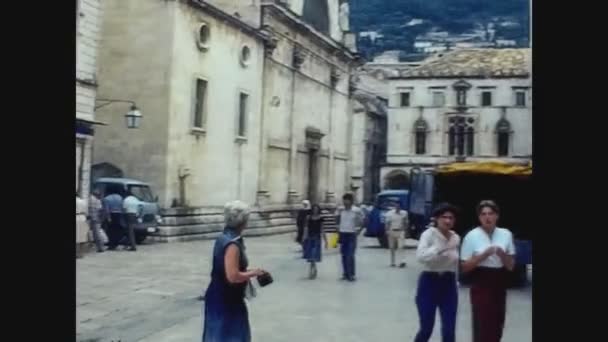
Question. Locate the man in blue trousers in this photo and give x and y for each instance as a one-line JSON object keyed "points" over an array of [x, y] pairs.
{"points": [[350, 221]]}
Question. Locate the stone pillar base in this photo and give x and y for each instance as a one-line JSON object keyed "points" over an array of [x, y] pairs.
{"points": [[262, 197], [330, 197], [293, 197]]}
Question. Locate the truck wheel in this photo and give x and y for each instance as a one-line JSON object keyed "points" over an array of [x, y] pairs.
{"points": [[139, 238], [383, 241]]}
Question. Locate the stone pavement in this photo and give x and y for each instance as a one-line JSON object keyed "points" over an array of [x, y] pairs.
{"points": [[151, 296]]}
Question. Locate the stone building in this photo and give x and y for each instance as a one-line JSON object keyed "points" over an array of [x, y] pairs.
{"points": [[241, 99], [471, 105], [88, 24], [369, 144]]}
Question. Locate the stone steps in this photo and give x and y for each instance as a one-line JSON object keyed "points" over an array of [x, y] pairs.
{"points": [[214, 234]]}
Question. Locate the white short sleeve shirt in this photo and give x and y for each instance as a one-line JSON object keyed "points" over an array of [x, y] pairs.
{"points": [[477, 241], [350, 220]]}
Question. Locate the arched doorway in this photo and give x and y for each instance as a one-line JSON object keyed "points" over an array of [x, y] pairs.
{"points": [[396, 180]]}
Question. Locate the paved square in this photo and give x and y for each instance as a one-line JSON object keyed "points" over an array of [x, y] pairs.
{"points": [[151, 296]]}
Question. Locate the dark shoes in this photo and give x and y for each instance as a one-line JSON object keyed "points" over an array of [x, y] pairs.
{"points": [[132, 249]]}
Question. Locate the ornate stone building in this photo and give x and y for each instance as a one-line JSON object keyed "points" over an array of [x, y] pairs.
{"points": [[471, 105], [88, 24], [241, 99]]}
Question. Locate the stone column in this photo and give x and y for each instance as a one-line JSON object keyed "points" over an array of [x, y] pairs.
{"points": [[262, 194], [330, 195], [299, 56]]}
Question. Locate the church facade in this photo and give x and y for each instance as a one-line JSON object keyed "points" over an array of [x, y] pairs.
{"points": [[247, 100]]}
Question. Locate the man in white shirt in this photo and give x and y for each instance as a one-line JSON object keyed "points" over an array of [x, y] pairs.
{"points": [[488, 254], [437, 288], [132, 210], [396, 223], [350, 222]]}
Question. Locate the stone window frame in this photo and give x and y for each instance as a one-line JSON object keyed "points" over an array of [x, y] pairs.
{"points": [[421, 131], [468, 123], [242, 118], [401, 98], [516, 93], [504, 130], [202, 44], [245, 62], [202, 129]]}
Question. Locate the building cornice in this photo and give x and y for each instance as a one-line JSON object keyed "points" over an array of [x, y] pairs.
{"points": [[480, 77], [227, 18], [291, 19]]}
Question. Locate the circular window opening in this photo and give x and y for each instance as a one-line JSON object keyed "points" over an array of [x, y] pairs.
{"points": [[202, 36], [245, 55]]}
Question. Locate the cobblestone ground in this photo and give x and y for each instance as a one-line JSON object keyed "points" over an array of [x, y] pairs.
{"points": [[151, 296]]}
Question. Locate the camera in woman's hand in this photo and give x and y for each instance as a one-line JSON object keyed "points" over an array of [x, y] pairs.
{"points": [[265, 279]]}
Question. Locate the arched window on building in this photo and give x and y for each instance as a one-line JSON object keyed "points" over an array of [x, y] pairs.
{"points": [[420, 130], [461, 136], [503, 133]]}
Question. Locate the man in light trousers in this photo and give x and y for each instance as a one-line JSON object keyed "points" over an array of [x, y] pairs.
{"points": [[396, 223]]}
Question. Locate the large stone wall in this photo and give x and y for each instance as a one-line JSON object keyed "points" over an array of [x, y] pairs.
{"points": [[221, 167], [302, 97], [135, 64]]}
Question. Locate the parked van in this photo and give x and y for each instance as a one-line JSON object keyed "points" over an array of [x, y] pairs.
{"points": [[150, 209]]}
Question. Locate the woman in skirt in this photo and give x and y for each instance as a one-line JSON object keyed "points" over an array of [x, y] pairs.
{"points": [[488, 255], [312, 239]]}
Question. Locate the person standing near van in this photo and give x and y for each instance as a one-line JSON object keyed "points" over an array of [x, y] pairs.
{"points": [[350, 221], [132, 211], [112, 209], [81, 226], [437, 288], [396, 223], [95, 218]]}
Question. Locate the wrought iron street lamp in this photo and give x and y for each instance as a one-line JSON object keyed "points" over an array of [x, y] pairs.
{"points": [[133, 116]]}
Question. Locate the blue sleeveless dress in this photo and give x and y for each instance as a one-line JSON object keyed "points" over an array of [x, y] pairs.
{"points": [[226, 317]]}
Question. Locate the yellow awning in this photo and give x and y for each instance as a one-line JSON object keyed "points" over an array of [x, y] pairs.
{"points": [[488, 167]]}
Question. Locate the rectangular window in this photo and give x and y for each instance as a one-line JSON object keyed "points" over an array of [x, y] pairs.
{"points": [[200, 99], [486, 99], [243, 106], [405, 99], [438, 99], [520, 98]]}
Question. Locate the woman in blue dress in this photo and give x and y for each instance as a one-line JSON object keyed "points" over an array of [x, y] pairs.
{"points": [[312, 239], [226, 317]]}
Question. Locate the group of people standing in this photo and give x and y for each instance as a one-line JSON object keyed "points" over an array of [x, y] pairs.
{"points": [[349, 219], [487, 253], [117, 214]]}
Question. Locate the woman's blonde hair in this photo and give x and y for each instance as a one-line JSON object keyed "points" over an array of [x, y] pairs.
{"points": [[236, 213]]}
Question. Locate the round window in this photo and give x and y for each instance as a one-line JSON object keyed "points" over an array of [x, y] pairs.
{"points": [[202, 36], [245, 55]]}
